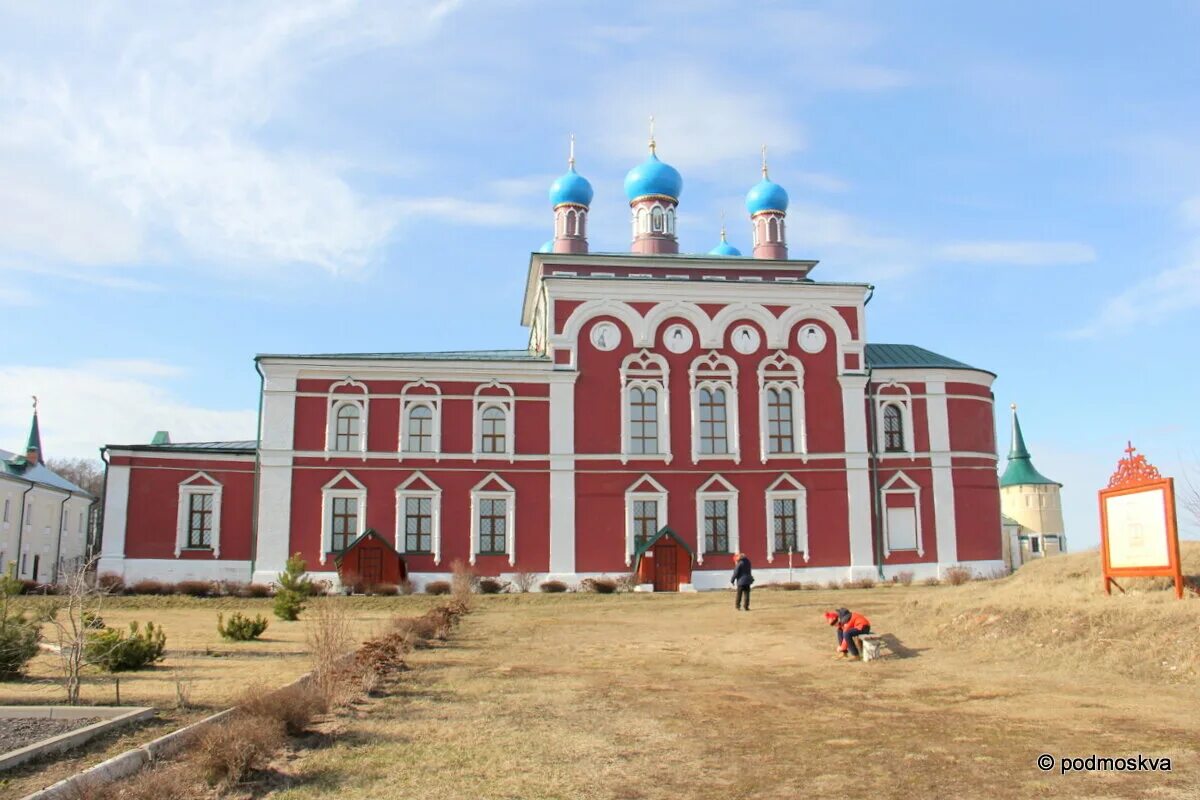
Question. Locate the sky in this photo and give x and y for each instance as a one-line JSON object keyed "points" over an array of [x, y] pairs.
{"points": [[184, 186]]}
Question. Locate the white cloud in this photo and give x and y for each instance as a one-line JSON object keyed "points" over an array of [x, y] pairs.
{"points": [[86, 405], [1165, 294], [1023, 253], [488, 214], [152, 127], [16, 296]]}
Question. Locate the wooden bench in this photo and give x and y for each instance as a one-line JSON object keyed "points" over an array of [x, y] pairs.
{"points": [[872, 645]]}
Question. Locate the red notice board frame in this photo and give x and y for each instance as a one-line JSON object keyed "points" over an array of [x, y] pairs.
{"points": [[1135, 475]]}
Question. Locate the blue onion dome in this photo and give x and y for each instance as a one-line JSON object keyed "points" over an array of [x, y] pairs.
{"points": [[766, 196], [548, 247], [724, 248], [653, 177], [571, 188]]}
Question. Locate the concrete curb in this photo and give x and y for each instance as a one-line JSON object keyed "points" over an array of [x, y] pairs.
{"points": [[65, 741]]}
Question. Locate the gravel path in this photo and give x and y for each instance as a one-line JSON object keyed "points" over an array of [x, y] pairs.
{"points": [[18, 733]]}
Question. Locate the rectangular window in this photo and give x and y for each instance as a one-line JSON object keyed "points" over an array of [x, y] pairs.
{"points": [[344, 522], [420, 430], [643, 420], [418, 525], [779, 421], [1035, 544], [200, 520], [7, 502], [716, 526], [81, 522], [713, 427], [645, 520], [784, 514], [29, 515], [902, 528], [494, 430], [347, 428], [493, 522]]}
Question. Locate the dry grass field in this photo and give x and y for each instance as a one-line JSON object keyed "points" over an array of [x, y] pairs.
{"points": [[642, 697]]}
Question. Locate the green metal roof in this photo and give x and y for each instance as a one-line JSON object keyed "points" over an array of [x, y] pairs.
{"points": [[244, 446], [450, 355], [884, 356], [641, 549], [1020, 470]]}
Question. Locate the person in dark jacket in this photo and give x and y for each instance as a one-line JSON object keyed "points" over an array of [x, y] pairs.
{"points": [[742, 578]]}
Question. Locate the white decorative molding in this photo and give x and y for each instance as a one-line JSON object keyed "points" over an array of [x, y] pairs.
{"points": [[410, 401], [646, 370], [432, 493], [198, 484], [506, 402], [778, 372], [903, 402], [785, 487], [717, 488], [644, 488], [715, 372], [328, 494], [338, 400], [509, 495], [901, 484]]}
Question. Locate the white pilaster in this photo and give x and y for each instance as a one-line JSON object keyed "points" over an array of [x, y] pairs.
{"points": [[275, 476], [943, 479], [562, 478], [858, 479], [116, 516]]}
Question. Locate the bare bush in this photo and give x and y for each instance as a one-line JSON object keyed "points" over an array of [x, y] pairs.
{"points": [[492, 586], [177, 781], [957, 576], [553, 587], [294, 706], [463, 582], [932, 582], [904, 578], [861, 583], [329, 640], [405, 586], [151, 586], [627, 582], [437, 587], [833, 585], [598, 585], [524, 581], [228, 751], [111, 582], [791, 586]]}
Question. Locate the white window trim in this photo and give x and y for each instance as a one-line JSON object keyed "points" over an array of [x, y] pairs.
{"points": [[904, 403], [635, 492], [715, 371], [786, 487], [336, 401], [723, 490], [407, 403], [782, 371], [508, 405], [509, 494], [328, 494], [434, 495], [901, 484], [643, 370], [187, 489]]}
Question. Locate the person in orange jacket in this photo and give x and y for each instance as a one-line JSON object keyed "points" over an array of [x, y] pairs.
{"points": [[849, 625]]}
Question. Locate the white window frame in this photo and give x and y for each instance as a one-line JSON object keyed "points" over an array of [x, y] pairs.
{"points": [[714, 371], [404, 492], [336, 401], [408, 402], [644, 488], [786, 487], [717, 488], [328, 494], [781, 371], [901, 484], [507, 403], [904, 403], [646, 370], [187, 488], [509, 495]]}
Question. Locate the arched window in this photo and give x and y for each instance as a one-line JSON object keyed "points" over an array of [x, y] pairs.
{"points": [[581, 224], [643, 420], [893, 429], [643, 221], [772, 230], [347, 428], [419, 430], [780, 438], [493, 436], [656, 219], [571, 223], [671, 221], [714, 434]]}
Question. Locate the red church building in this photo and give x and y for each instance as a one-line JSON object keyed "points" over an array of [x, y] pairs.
{"points": [[670, 406]]}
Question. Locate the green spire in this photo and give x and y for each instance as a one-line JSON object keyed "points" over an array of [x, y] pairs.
{"points": [[1020, 470], [35, 436]]}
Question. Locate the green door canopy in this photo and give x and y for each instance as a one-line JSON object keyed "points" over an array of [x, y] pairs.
{"points": [[653, 540]]}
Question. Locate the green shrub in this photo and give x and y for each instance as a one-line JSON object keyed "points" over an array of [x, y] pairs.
{"points": [[92, 621], [293, 588], [19, 632], [114, 651], [241, 628]]}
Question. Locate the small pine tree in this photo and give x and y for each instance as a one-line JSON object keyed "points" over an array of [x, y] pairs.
{"points": [[293, 588], [19, 632]]}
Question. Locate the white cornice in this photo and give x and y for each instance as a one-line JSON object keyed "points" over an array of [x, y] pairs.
{"points": [[431, 370]]}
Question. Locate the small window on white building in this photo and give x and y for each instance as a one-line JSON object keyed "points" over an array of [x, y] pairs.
{"points": [[1035, 545], [29, 515], [7, 503]]}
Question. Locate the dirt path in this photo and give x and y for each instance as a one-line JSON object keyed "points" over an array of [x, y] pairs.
{"points": [[646, 697]]}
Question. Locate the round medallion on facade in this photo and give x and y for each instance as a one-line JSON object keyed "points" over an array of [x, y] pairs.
{"points": [[678, 338], [811, 338], [745, 339], [606, 336]]}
